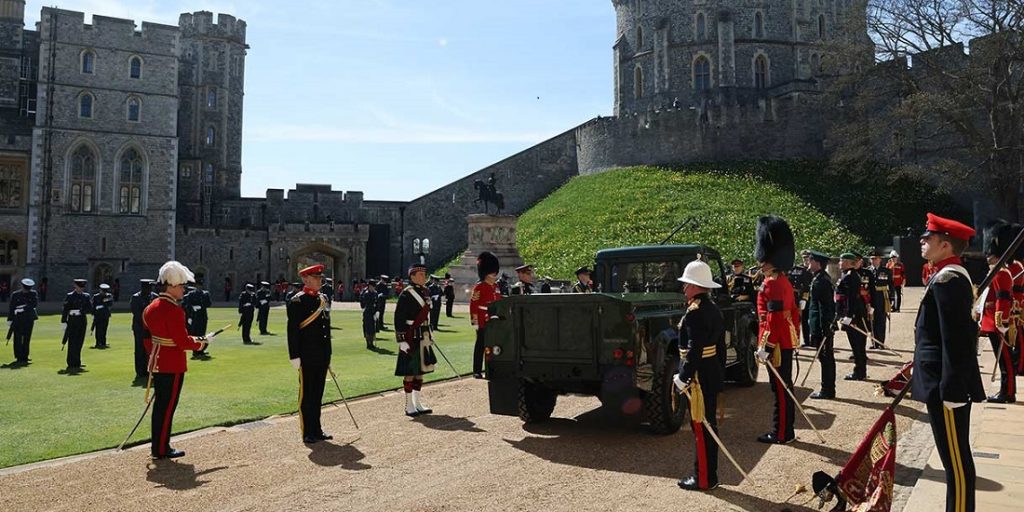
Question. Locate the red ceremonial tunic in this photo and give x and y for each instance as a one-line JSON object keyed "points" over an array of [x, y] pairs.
{"points": [[778, 313], [165, 321], [998, 301], [1016, 269], [897, 274], [483, 295]]}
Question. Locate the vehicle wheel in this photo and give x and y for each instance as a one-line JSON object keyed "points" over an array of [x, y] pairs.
{"points": [[744, 372], [664, 406], [536, 402]]}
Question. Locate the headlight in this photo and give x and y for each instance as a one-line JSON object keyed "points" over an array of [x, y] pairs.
{"points": [[496, 350]]}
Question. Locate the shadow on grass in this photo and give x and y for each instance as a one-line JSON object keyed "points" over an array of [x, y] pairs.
{"points": [[14, 365], [177, 476], [382, 351], [329, 454], [71, 372]]}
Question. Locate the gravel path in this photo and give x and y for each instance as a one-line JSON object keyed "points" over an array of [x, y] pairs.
{"points": [[463, 458]]}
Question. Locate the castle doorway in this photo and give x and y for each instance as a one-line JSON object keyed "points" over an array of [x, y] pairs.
{"points": [[336, 262]]}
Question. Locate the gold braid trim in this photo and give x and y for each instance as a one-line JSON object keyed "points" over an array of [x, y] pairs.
{"points": [[696, 401]]}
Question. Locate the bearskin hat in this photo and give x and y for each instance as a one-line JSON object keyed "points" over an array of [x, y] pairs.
{"points": [[998, 235], [487, 263], [774, 242]]}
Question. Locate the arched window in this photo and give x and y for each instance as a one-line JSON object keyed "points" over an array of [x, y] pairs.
{"points": [[134, 109], [208, 174], [211, 135], [701, 27], [85, 102], [135, 67], [639, 37], [83, 179], [638, 83], [760, 72], [758, 25], [821, 26], [701, 74], [130, 184], [211, 98], [88, 61]]}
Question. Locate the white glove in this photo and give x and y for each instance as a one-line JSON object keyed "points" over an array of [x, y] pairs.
{"points": [[871, 311], [680, 385], [803, 305], [846, 320], [1002, 329], [296, 363], [762, 355], [404, 347], [190, 321], [953, 405]]}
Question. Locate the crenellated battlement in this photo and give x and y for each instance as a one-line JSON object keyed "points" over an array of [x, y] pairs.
{"points": [[201, 24], [105, 29]]}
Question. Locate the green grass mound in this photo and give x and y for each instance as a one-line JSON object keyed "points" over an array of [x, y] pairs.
{"points": [[642, 205]]}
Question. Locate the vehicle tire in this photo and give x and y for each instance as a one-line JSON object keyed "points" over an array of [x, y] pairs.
{"points": [[536, 403], [664, 407], [744, 372]]}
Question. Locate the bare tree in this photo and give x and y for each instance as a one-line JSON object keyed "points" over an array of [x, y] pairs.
{"points": [[942, 101]]}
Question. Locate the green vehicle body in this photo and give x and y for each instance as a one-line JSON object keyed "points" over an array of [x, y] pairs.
{"points": [[620, 345]]}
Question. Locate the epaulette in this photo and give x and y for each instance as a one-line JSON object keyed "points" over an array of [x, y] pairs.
{"points": [[945, 277], [297, 296], [693, 305]]}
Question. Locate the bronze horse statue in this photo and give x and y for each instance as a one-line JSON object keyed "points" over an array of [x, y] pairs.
{"points": [[488, 194]]}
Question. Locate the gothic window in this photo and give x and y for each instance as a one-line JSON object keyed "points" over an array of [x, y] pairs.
{"points": [[135, 67], [130, 184], [821, 26], [758, 25], [639, 38], [211, 135], [638, 83], [701, 27], [211, 98], [701, 74], [186, 171], [208, 174], [88, 62], [83, 179], [760, 72], [134, 109], [85, 102], [10, 186]]}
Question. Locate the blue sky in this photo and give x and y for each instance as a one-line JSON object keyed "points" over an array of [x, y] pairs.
{"points": [[398, 97]]}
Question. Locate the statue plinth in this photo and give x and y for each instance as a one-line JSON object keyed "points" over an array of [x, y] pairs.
{"points": [[495, 233]]}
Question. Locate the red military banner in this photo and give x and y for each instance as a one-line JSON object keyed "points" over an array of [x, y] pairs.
{"points": [[867, 478]]}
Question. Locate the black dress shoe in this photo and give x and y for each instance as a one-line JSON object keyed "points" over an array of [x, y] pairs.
{"points": [[854, 376], [478, 375], [772, 439], [821, 395], [1002, 399], [172, 454], [691, 484], [310, 439], [324, 437]]}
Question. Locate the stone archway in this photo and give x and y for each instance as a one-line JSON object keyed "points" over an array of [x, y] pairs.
{"points": [[337, 262]]}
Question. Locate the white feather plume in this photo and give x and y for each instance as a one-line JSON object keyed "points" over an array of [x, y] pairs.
{"points": [[174, 273]]}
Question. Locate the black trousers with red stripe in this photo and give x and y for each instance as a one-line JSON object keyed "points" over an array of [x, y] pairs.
{"points": [[705, 462], [785, 411], [951, 430], [1008, 382], [166, 390]]}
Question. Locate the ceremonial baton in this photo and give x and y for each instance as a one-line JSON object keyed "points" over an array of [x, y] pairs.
{"points": [[343, 399], [719, 442], [795, 401]]}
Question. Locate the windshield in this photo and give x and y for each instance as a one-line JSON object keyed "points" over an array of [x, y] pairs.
{"points": [[651, 277]]}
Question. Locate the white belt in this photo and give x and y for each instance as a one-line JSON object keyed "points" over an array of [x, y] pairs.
{"points": [[100, 307], [75, 312], [263, 302], [19, 310], [247, 304], [196, 308]]}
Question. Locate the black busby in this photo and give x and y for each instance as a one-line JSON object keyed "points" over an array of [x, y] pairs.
{"points": [[998, 236], [487, 263], [774, 242]]}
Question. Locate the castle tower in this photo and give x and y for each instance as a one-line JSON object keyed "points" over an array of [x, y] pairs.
{"points": [[211, 79]]}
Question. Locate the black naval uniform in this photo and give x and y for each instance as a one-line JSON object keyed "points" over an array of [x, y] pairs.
{"points": [[328, 291], [946, 370], [800, 277], [381, 304], [867, 284], [246, 308], [368, 301], [138, 303], [741, 287], [101, 304], [196, 304], [76, 306], [881, 291], [821, 314], [263, 307], [435, 304], [309, 340], [849, 303], [449, 298], [522, 288], [702, 365], [22, 317]]}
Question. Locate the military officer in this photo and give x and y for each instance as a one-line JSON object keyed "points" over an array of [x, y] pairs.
{"points": [[583, 282], [196, 304], [449, 294], [309, 348], [101, 304], [800, 278], [263, 307], [899, 278], [435, 301], [996, 304], [701, 370], [368, 301], [851, 314], [138, 303], [545, 285], [328, 290], [166, 343], [415, 352], [77, 305], [946, 375], [741, 286], [867, 287], [484, 293], [821, 313], [881, 293], [383, 292], [524, 286], [779, 318], [21, 319], [246, 309]]}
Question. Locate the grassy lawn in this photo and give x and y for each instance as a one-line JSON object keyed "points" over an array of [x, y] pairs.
{"points": [[44, 414]]}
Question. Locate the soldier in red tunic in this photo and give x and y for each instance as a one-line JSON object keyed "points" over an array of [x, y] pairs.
{"points": [[899, 278], [996, 307], [484, 292], [779, 319], [166, 345]]}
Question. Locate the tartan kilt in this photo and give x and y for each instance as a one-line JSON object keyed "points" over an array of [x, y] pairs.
{"points": [[419, 360]]}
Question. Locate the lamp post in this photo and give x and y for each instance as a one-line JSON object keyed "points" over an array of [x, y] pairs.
{"points": [[421, 249]]}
